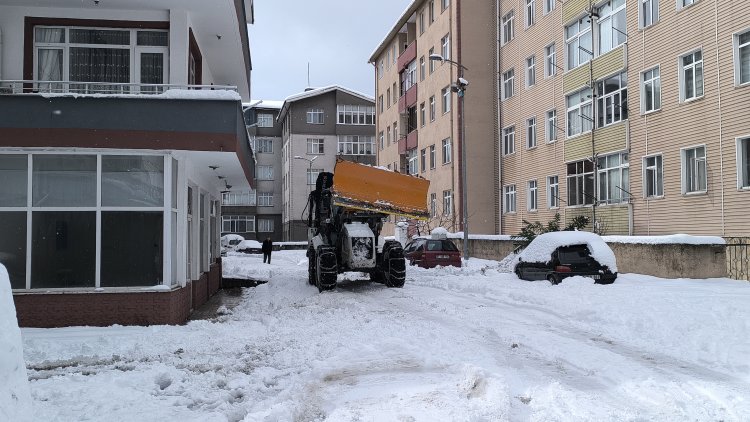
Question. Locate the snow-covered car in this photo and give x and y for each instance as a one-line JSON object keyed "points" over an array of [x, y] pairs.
{"points": [[557, 255], [429, 253], [229, 242], [249, 246]]}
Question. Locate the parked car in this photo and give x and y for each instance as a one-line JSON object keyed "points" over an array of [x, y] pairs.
{"points": [[558, 255], [429, 253], [229, 242]]}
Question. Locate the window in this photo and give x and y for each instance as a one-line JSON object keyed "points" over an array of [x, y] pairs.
{"points": [[396, 135], [447, 202], [580, 183], [551, 126], [264, 172], [580, 116], [380, 104], [265, 120], [315, 146], [530, 13], [553, 192], [612, 25], [549, 5], [423, 159], [432, 108], [684, 3], [315, 116], [649, 13], [395, 53], [265, 225], [388, 98], [445, 51], [388, 135], [432, 62], [355, 115], [408, 77], [237, 223], [445, 4], [432, 156], [422, 70], [433, 205], [508, 30], [531, 194], [106, 56], [579, 43], [380, 69], [531, 71], [422, 115], [381, 140], [238, 198], [651, 90], [264, 145], [446, 96], [742, 58], [509, 140], [411, 158], [312, 175], [691, 76], [508, 79], [447, 151], [612, 100], [395, 93], [653, 182], [355, 145], [550, 61], [509, 198], [694, 175], [613, 174], [421, 23], [743, 163], [531, 133], [431, 11], [265, 199]]}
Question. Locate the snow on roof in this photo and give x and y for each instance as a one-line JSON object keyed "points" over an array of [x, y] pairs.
{"points": [[541, 248], [403, 18], [264, 104], [248, 244], [681, 239], [170, 94], [319, 91], [232, 237]]}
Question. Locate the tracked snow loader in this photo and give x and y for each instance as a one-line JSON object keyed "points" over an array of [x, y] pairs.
{"points": [[346, 214]]}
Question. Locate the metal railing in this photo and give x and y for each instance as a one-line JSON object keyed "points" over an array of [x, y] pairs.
{"points": [[738, 258], [91, 88]]}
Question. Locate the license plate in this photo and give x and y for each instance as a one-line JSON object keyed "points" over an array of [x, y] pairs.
{"points": [[596, 276], [443, 256]]}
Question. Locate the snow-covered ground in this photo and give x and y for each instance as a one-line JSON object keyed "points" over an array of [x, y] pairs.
{"points": [[455, 344]]}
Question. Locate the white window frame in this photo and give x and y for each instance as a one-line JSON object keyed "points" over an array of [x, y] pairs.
{"points": [[530, 71], [433, 205], [509, 140], [553, 192], [655, 174], [432, 62], [265, 199], [509, 199], [265, 225], [445, 93], [265, 120], [432, 108], [445, 49], [550, 134], [509, 77], [412, 162], [689, 178], [422, 69], [264, 145], [584, 197], [575, 40], [232, 220], [550, 60], [654, 82], [357, 115], [381, 140], [695, 65], [549, 5], [653, 7], [532, 196], [422, 115], [263, 172], [355, 145], [508, 28], [681, 4], [531, 133], [605, 173], [607, 17], [447, 150], [743, 162], [530, 13], [736, 47], [575, 123], [447, 202], [315, 146], [316, 116], [611, 103], [312, 175]]}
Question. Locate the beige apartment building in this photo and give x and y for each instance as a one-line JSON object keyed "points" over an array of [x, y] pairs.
{"points": [[419, 116], [632, 112]]}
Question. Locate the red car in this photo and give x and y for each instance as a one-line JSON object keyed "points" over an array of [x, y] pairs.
{"points": [[429, 253]]}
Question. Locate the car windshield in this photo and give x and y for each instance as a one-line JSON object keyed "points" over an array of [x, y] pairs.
{"points": [[441, 245], [574, 254]]}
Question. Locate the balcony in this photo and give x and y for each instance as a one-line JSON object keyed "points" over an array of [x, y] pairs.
{"points": [[407, 56], [408, 99], [408, 142], [104, 88]]}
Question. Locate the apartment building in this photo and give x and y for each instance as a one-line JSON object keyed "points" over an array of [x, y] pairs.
{"points": [[633, 113], [256, 213], [116, 118], [320, 126], [420, 116]]}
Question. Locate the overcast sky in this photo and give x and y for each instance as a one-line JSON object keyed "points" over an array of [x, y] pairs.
{"points": [[336, 37]]}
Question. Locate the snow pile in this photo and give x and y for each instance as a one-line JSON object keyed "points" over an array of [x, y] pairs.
{"points": [[541, 248], [15, 398], [439, 233], [229, 237], [248, 244], [672, 239], [199, 94]]}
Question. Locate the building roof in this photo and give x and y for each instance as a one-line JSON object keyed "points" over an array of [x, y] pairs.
{"points": [[263, 104], [313, 92], [397, 27]]}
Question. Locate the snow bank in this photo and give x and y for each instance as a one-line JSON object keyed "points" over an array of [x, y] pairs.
{"points": [[15, 397], [540, 249], [672, 239]]}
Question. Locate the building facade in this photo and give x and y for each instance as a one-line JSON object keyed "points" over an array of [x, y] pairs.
{"points": [[116, 121], [320, 126], [629, 112], [420, 116]]}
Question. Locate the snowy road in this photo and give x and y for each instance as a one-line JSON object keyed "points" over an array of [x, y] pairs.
{"points": [[471, 344]]}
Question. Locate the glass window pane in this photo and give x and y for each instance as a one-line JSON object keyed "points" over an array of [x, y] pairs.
{"points": [[132, 248], [49, 35], [153, 38], [174, 248], [13, 247], [63, 249], [14, 177], [64, 180], [174, 183], [99, 36], [132, 180]]}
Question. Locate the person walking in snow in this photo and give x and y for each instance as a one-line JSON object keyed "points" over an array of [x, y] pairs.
{"points": [[266, 249]]}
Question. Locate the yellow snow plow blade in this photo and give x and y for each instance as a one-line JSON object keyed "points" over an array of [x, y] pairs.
{"points": [[370, 188]]}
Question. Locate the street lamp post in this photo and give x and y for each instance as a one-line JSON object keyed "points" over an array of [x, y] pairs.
{"points": [[460, 88]]}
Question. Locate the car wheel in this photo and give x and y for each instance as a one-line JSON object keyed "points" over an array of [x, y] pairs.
{"points": [[553, 279]]}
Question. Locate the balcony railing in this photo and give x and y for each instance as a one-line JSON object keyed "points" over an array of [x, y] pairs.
{"points": [[106, 88]]}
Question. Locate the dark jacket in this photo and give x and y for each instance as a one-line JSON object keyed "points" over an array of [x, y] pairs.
{"points": [[267, 246]]}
